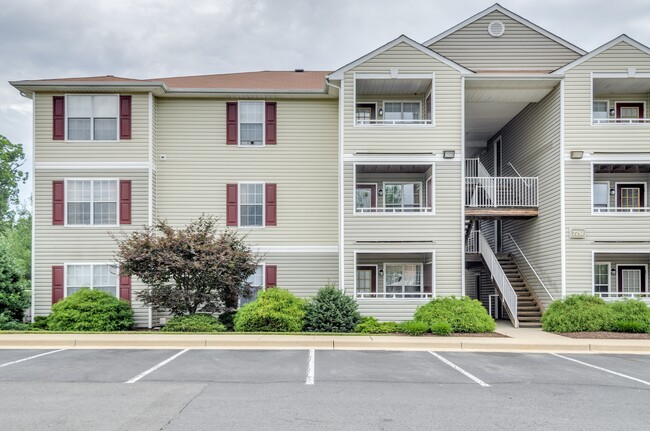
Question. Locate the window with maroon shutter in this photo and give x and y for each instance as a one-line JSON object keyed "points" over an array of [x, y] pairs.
{"points": [[125, 288], [270, 119], [271, 275], [231, 204], [58, 202], [271, 205], [232, 123], [58, 118], [125, 117], [57, 283], [125, 201]]}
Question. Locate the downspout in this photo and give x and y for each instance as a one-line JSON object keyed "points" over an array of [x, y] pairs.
{"points": [[462, 184], [32, 176], [341, 185]]}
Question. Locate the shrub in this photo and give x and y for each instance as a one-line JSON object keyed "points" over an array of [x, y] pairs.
{"points": [[577, 313], [275, 310], [331, 311], [413, 327], [441, 328], [91, 310], [194, 323], [40, 323], [227, 318], [7, 323], [462, 314], [14, 298], [370, 325], [632, 314]]}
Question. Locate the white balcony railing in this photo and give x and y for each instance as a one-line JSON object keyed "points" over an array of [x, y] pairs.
{"points": [[394, 295], [471, 246], [501, 192], [621, 210], [612, 296], [392, 122], [404, 210], [621, 120], [474, 168]]}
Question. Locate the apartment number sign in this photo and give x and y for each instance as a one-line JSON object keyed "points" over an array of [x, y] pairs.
{"points": [[578, 233]]}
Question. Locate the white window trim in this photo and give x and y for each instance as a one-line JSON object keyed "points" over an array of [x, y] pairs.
{"points": [[383, 185], [91, 264], [92, 210], [92, 125], [621, 266], [239, 203], [593, 120], [593, 277], [263, 286], [593, 183], [421, 112], [403, 264], [239, 144]]}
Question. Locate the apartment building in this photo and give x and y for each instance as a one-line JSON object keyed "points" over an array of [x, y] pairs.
{"points": [[495, 160]]}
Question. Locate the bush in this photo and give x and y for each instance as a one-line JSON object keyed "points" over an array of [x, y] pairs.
{"points": [[631, 314], [14, 297], [578, 313], [40, 323], [227, 318], [274, 310], [413, 327], [91, 310], [331, 311], [370, 325], [7, 323], [462, 314], [441, 328], [194, 323]]}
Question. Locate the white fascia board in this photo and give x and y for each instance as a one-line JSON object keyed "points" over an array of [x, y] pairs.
{"points": [[296, 249], [622, 38], [90, 165], [339, 74], [497, 7]]}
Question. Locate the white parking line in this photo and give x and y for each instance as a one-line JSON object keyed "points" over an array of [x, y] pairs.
{"points": [[460, 370], [310, 368], [31, 357], [155, 367], [602, 369]]}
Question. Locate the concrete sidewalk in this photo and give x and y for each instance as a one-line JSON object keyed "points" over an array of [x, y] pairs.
{"points": [[519, 340]]}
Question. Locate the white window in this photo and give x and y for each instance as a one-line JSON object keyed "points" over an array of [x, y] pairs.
{"points": [[251, 204], [251, 123], [402, 112], [601, 278], [257, 284], [630, 280], [91, 276], [402, 197], [404, 280], [600, 110], [601, 195], [91, 202], [92, 118]]}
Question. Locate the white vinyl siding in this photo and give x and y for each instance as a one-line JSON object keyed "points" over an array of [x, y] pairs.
{"points": [[92, 118], [91, 202], [91, 276]]}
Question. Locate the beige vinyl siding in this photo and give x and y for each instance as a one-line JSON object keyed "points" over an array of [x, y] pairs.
{"points": [[129, 150], [303, 274], [192, 180], [58, 245], [604, 232], [390, 310], [531, 142], [580, 134], [406, 138], [519, 48]]}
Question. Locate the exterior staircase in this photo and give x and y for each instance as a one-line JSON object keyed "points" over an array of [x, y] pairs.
{"points": [[529, 312]]}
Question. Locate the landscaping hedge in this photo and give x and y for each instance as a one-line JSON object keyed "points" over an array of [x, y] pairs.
{"points": [[331, 311], [370, 325], [194, 323], [91, 310], [274, 310], [462, 314]]}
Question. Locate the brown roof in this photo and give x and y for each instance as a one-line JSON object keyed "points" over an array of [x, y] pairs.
{"points": [[266, 80]]}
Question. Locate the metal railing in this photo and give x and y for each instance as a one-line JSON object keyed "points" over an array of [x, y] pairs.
{"points": [[388, 210], [508, 294], [620, 295], [471, 245], [474, 168], [621, 120], [530, 266], [391, 122], [501, 192], [395, 295], [621, 210]]}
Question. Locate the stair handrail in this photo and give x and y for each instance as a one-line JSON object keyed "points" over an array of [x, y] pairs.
{"points": [[499, 276], [530, 266], [518, 174]]}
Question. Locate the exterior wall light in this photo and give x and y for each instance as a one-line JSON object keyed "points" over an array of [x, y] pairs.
{"points": [[576, 154], [381, 112], [380, 192], [381, 272], [612, 192], [612, 112], [448, 154], [612, 271]]}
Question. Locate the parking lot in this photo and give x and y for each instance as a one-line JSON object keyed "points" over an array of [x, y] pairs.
{"points": [[307, 389]]}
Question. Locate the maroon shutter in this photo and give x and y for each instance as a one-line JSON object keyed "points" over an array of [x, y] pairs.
{"points": [[57, 284], [58, 118], [125, 288], [271, 205], [125, 201], [231, 204], [58, 202], [271, 275], [232, 121], [125, 117], [271, 128]]}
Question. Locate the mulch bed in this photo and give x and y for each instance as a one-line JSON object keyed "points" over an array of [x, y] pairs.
{"points": [[605, 335]]}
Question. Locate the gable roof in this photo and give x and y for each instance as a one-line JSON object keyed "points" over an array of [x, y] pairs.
{"points": [[338, 74], [622, 38], [497, 7]]}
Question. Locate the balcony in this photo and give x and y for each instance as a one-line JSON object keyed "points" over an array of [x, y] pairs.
{"points": [[620, 189], [393, 189], [620, 101], [621, 275], [490, 197], [394, 276]]}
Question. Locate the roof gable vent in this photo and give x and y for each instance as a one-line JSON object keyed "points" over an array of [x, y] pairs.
{"points": [[496, 29]]}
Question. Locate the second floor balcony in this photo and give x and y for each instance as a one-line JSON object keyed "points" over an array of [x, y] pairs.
{"points": [[620, 101]]}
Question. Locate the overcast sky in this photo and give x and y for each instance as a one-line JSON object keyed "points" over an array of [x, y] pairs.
{"points": [[158, 38]]}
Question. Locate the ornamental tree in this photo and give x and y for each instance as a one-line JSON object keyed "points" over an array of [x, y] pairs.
{"points": [[188, 270]]}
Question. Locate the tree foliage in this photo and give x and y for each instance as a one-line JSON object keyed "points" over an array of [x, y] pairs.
{"points": [[188, 270], [14, 298], [331, 311], [12, 158]]}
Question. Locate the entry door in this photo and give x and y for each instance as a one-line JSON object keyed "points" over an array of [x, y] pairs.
{"points": [[629, 111], [366, 279], [366, 197], [630, 195], [631, 279]]}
